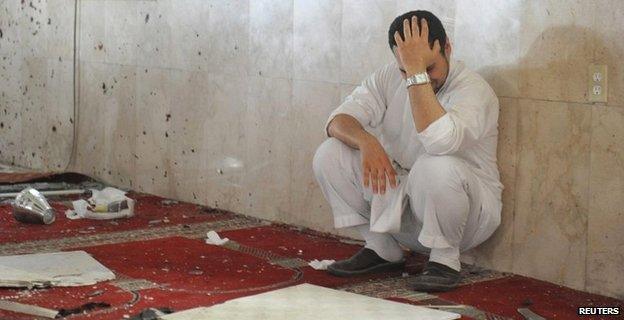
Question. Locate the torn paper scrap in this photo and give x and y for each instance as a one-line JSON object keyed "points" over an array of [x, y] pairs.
{"points": [[65, 269], [215, 239], [110, 203], [320, 265]]}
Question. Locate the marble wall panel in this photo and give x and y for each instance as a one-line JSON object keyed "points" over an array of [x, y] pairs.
{"points": [[317, 28], [154, 45], [59, 126], [156, 88], [268, 128], [556, 46], [92, 29], [606, 204], [120, 108], [122, 23], [490, 44], [609, 47], [271, 38], [188, 20], [312, 104], [225, 142], [189, 112], [91, 147], [228, 37], [552, 195]]}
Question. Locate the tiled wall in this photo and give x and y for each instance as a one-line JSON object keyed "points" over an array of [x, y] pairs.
{"points": [[36, 80], [223, 102]]}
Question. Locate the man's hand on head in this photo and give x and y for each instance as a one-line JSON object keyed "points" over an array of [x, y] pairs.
{"points": [[414, 51], [376, 166]]}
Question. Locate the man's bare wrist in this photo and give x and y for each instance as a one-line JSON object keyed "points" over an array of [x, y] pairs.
{"points": [[364, 139]]}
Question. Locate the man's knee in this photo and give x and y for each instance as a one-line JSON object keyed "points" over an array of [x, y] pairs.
{"points": [[435, 173], [327, 155]]}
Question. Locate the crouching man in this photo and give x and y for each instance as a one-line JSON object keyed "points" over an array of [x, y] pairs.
{"points": [[411, 158]]}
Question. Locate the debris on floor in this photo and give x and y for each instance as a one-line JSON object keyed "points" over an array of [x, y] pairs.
{"points": [[73, 268], [302, 301], [28, 309], [109, 203], [30, 206], [214, 238], [152, 314], [530, 315], [85, 308], [320, 265]]}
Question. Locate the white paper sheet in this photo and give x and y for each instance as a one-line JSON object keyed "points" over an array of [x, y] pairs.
{"points": [[214, 238], [310, 302], [66, 269], [320, 265]]}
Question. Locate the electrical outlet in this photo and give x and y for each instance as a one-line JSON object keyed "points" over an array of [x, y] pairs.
{"points": [[597, 85]]}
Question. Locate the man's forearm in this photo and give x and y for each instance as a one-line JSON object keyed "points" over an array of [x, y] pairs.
{"points": [[348, 130], [425, 106]]}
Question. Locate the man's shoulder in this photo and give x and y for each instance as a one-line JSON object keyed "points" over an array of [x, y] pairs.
{"points": [[468, 79]]}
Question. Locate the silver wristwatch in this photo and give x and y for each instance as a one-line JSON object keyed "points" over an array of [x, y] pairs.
{"points": [[418, 79]]}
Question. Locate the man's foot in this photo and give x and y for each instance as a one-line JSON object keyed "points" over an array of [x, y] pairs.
{"points": [[436, 277], [365, 261]]}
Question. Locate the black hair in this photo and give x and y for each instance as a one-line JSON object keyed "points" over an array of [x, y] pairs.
{"points": [[436, 29]]}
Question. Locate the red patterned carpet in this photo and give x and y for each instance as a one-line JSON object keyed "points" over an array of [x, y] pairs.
{"points": [[161, 260]]}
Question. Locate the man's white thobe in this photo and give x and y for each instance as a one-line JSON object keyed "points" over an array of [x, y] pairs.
{"points": [[449, 179]]}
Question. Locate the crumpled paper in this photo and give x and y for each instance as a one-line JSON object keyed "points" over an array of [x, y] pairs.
{"points": [[214, 238], [103, 205], [320, 265]]}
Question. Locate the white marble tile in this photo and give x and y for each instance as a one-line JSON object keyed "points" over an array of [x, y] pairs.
{"points": [[317, 26], [556, 46], [228, 36], [11, 89], [312, 104], [364, 46], [60, 29], [60, 113], [269, 135], [609, 47], [224, 142], [301, 302], [271, 38], [92, 24], [360, 59], [122, 25], [552, 192], [32, 19], [188, 20], [606, 204], [154, 45], [34, 113], [189, 113], [120, 103], [367, 20], [90, 147], [497, 35], [155, 89]]}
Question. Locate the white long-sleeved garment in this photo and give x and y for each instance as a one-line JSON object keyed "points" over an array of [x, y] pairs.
{"points": [[468, 132]]}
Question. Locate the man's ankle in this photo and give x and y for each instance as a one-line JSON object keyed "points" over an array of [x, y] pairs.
{"points": [[448, 257], [388, 255]]}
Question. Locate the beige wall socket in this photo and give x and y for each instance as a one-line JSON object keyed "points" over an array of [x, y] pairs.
{"points": [[597, 85]]}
